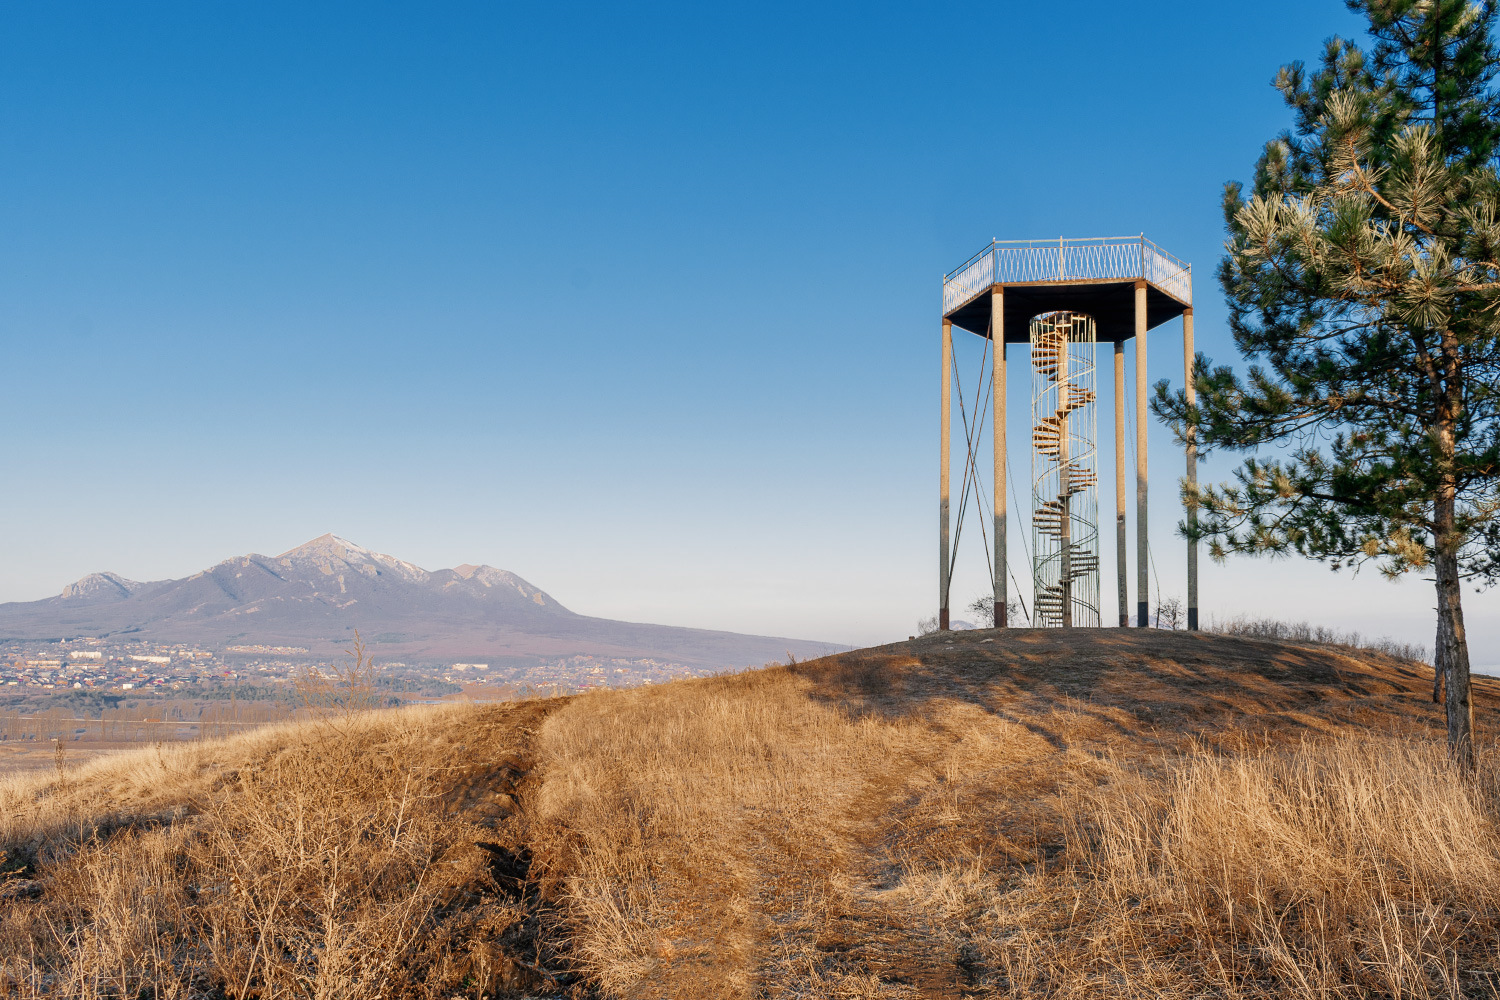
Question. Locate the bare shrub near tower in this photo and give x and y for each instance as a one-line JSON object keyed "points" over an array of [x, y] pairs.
{"points": [[1169, 613], [1283, 631], [344, 690]]}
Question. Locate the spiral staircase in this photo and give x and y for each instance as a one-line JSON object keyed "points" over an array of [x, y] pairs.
{"points": [[1064, 492]]}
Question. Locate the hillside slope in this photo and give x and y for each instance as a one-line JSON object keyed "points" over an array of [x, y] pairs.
{"points": [[1087, 813]]}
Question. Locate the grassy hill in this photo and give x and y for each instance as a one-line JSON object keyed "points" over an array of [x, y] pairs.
{"points": [[1112, 813]]}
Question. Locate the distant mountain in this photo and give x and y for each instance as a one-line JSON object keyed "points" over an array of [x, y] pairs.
{"points": [[100, 585], [318, 594]]}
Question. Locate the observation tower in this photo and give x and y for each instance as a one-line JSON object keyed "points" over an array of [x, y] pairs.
{"points": [[1063, 297]]}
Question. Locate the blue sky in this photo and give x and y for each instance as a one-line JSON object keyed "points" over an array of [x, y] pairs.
{"points": [[640, 302]]}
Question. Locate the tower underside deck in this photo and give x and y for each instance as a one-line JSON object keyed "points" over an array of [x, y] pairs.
{"points": [[1111, 303], [1095, 276]]}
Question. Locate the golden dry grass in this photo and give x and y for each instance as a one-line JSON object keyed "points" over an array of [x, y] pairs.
{"points": [[327, 859], [1354, 866], [1043, 814], [1082, 814]]}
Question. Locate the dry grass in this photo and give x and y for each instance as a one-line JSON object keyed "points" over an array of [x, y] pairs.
{"points": [[330, 859], [1352, 867], [700, 828], [1120, 814], [1142, 820]]}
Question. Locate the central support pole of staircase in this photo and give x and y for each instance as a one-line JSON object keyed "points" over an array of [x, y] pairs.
{"points": [[944, 563], [1064, 482], [997, 332], [1142, 545], [1122, 572]]}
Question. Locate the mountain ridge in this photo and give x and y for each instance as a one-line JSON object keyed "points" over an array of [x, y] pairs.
{"points": [[317, 594]]}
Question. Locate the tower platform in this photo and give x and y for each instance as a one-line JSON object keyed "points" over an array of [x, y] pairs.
{"points": [[1094, 276], [1109, 289]]}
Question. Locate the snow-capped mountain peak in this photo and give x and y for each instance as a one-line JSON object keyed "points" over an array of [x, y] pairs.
{"points": [[100, 585], [333, 554]]}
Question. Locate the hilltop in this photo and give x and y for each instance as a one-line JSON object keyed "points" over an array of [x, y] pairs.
{"points": [[1050, 813], [318, 594]]}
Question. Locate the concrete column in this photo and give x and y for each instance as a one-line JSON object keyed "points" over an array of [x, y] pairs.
{"points": [[997, 332], [944, 562], [1191, 438], [1121, 562], [1142, 548]]}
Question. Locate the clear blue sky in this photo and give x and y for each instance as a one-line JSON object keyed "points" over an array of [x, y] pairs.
{"points": [[638, 301]]}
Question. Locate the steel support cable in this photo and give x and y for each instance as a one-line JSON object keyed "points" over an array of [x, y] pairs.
{"points": [[987, 511], [1151, 558], [982, 399], [979, 494], [1025, 548], [1019, 597], [963, 493], [1010, 478]]}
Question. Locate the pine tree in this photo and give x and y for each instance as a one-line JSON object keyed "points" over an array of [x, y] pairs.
{"points": [[1364, 288]]}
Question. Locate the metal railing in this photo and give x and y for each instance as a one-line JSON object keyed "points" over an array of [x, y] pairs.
{"points": [[1105, 258]]}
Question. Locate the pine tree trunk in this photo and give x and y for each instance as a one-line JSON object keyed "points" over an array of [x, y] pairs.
{"points": [[1452, 653], [1439, 660]]}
